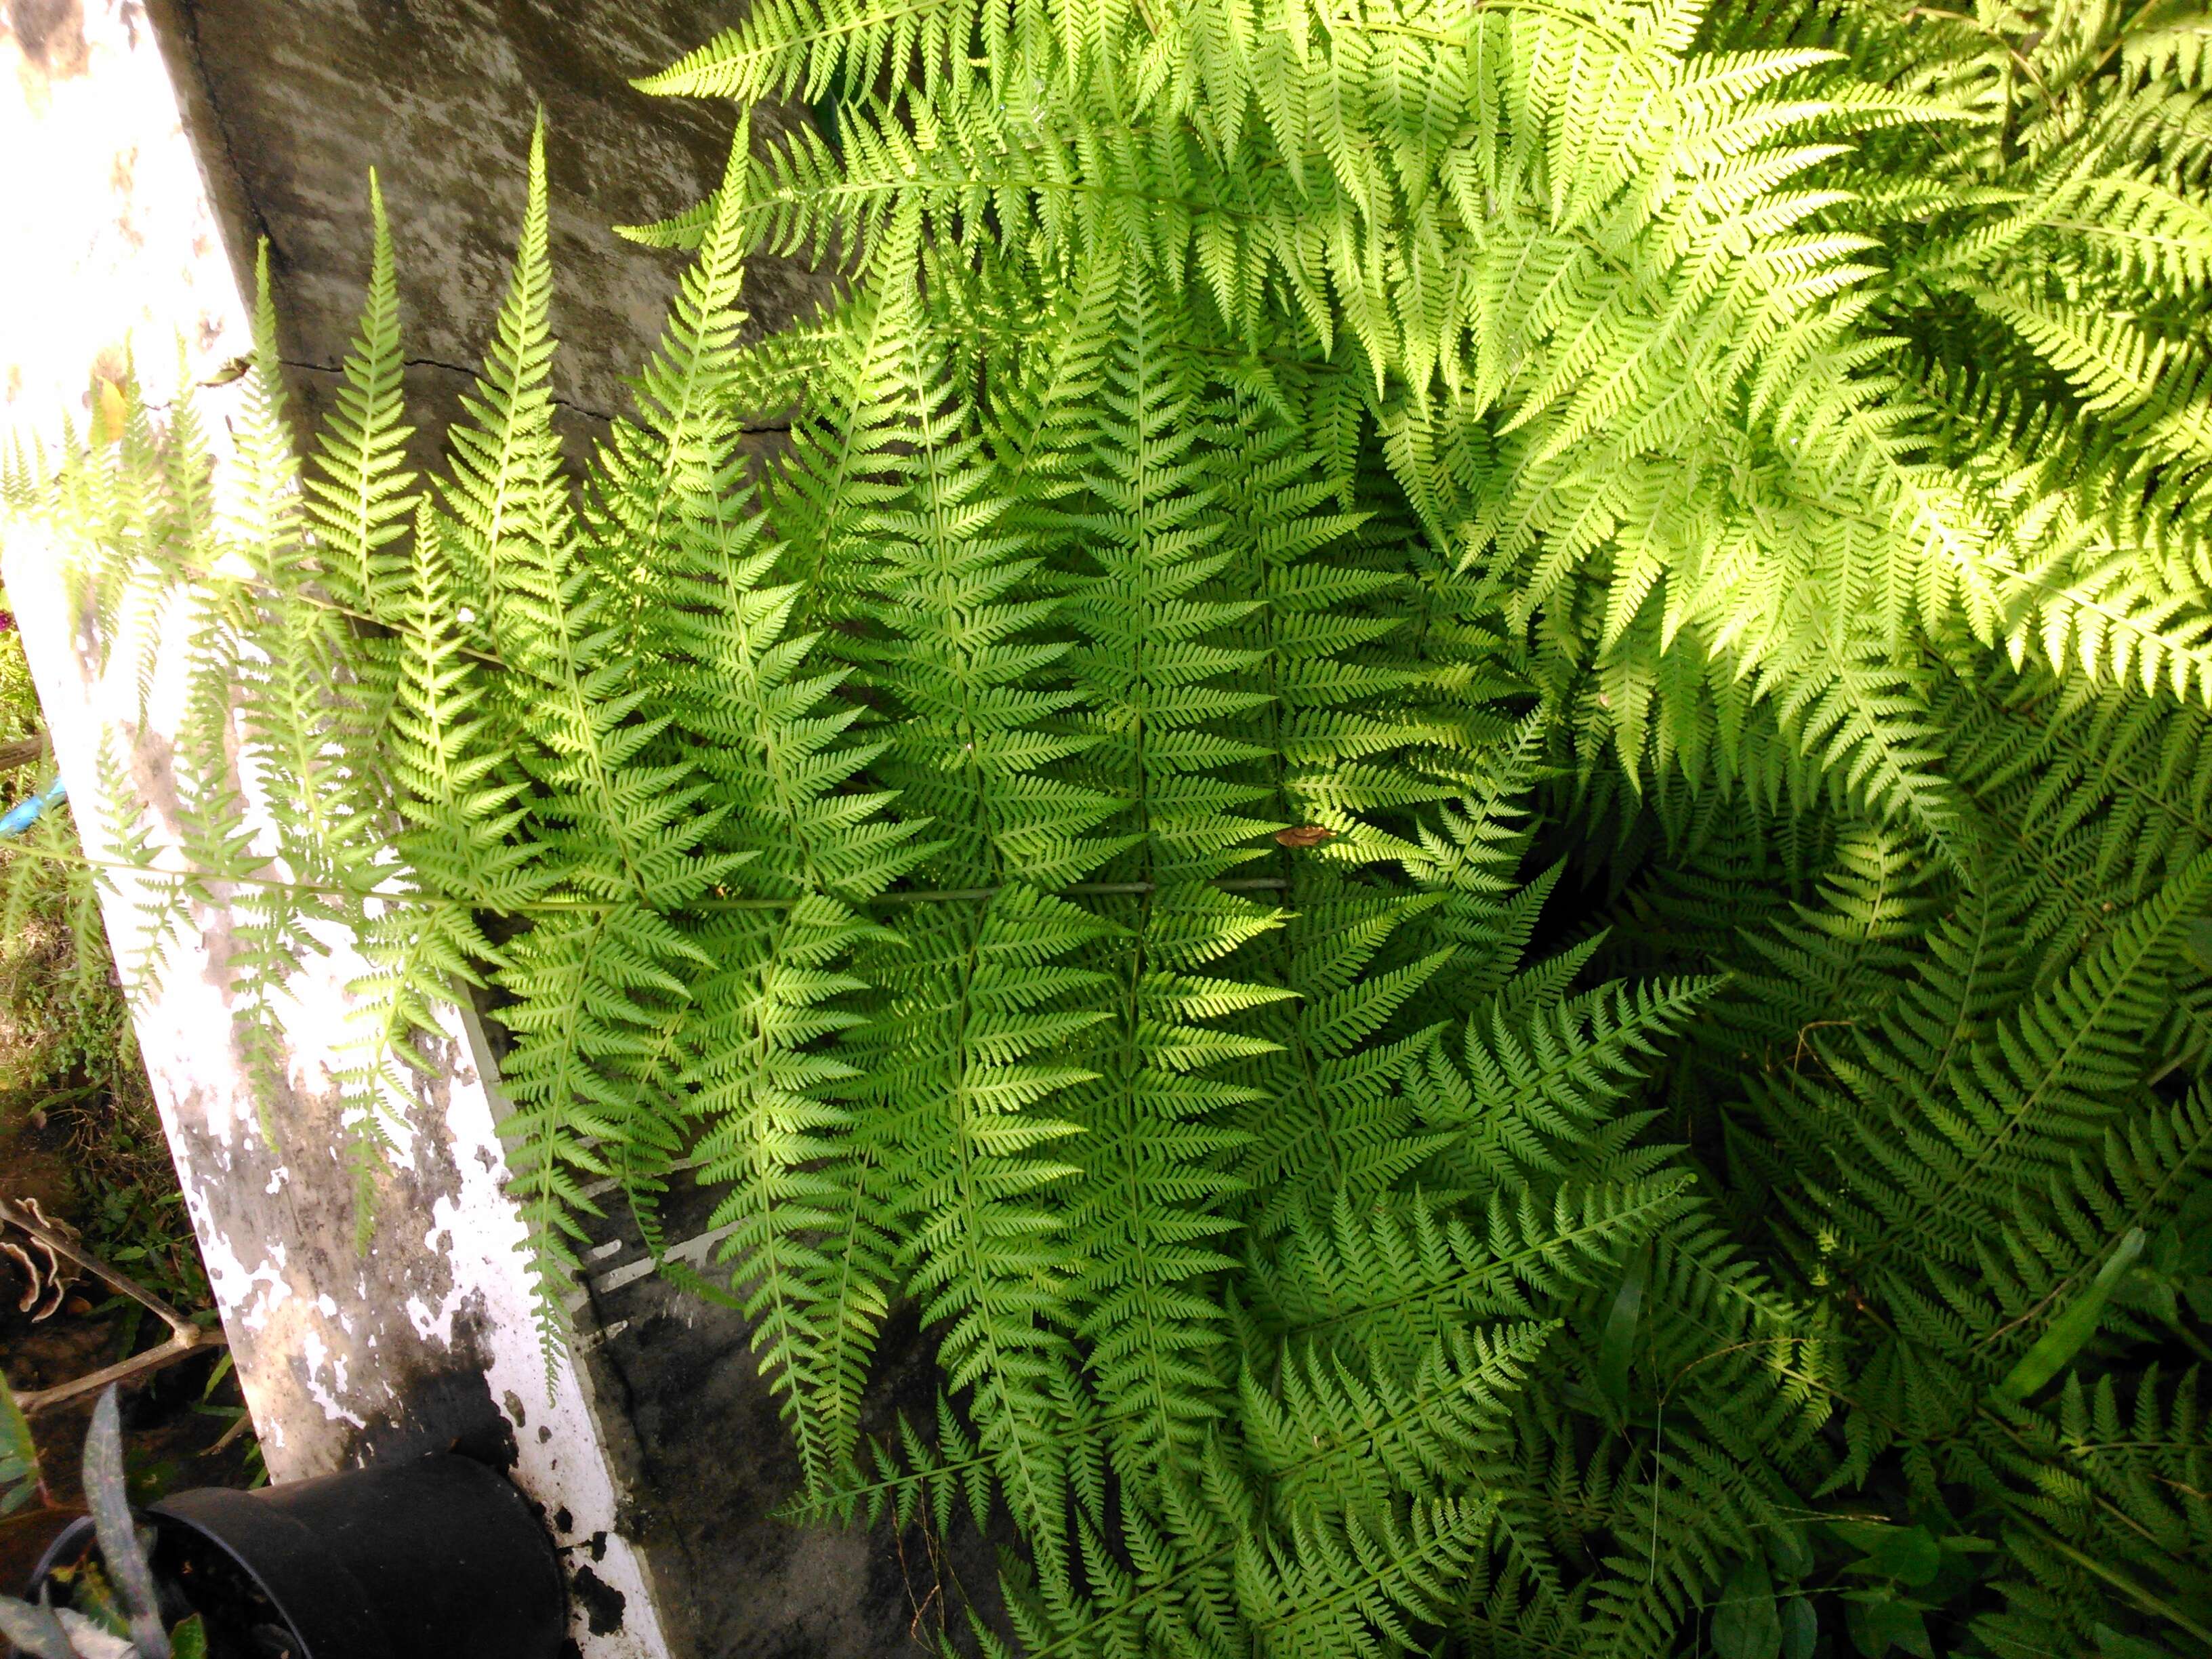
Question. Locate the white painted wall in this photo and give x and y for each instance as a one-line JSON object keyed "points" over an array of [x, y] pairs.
{"points": [[114, 251]]}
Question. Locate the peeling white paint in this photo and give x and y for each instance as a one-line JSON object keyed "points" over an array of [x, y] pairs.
{"points": [[693, 1251], [317, 1355], [599, 1338], [245, 1296], [489, 1235], [299, 1359], [127, 259], [437, 1325]]}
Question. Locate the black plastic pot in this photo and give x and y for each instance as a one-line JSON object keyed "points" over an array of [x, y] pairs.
{"points": [[437, 1558]]}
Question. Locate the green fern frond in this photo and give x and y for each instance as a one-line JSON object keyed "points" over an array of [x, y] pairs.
{"points": [[359, 487]]}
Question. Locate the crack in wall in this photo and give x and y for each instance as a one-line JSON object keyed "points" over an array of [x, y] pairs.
{"points": [[198, 99], [764, 429], [449, 368]]}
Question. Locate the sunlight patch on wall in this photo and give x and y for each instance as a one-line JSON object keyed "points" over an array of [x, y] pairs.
{"points": [[113, 248]]}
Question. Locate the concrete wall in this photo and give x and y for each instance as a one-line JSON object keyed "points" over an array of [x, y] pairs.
{"points": [[293, 101], [714, 1462]]}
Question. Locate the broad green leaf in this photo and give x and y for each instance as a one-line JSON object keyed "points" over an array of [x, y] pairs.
{"points": [[1747, 1625], [1616, 1345], [2055, 1349], [2115, 1644], [19, 1455], [1878, 1626], [1788, 1548], [1801, 1628], [1911, 1555]]}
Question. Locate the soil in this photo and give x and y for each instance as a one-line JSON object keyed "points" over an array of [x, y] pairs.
{"points": [[167, 1445], [241, 1621], [172, 1425], [192, 1576]]}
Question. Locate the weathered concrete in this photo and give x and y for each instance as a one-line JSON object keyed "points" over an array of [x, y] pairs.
{"points": [[294, 99]]}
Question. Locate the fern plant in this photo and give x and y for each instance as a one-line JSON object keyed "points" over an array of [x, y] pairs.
{"points": [[1454, 787]]}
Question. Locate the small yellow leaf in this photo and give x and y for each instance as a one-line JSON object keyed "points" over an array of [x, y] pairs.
{"points": [[108, 412]]}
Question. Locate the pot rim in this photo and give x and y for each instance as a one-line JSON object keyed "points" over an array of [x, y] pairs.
{"points": [[361, 1637], [330, 1614], [67, 1542]]}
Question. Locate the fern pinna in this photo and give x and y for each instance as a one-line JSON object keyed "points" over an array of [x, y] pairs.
{"points": [[1453, 785]]}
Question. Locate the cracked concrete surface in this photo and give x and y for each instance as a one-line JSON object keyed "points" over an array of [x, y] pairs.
{"points": [[295, 99]]}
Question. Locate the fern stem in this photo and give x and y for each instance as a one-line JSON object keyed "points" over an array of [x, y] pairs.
{"points": [[923, 896], [310, 571], [1624, 44], [2119, 1580]]}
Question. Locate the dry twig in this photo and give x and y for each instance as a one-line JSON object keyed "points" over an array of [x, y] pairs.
{"points": [[185, 1338]]}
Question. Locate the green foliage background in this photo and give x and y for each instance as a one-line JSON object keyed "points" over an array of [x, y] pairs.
{"points": [[1456, 782], [74, 1100], [65, 1023]]}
